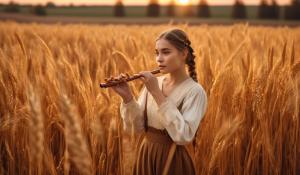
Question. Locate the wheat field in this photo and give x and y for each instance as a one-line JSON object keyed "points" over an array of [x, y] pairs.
{"points": [[54, 118]]}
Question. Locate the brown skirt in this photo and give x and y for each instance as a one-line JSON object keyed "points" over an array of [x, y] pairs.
{"points": [[153, 152]]}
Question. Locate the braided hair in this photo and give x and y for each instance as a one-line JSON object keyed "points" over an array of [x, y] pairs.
{"points": [[180, 40]]}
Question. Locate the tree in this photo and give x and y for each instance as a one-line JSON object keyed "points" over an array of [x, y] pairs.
{"points": [[50, 5], [239, 10], [267, 11], [189, 10], [119, 10], [39, 10], [203, 9], [274, 10], [292, 11], [12, 7], [153, 9], [263, 10], [171, 8]]}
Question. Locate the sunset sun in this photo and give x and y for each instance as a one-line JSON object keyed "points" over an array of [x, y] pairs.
{"points": [[183, 2]]}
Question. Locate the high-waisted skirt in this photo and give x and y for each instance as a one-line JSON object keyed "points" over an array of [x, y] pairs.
{"points": [[153, 153]]}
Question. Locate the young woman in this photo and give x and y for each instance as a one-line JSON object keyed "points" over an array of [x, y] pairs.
{"points": [[169, 108]]}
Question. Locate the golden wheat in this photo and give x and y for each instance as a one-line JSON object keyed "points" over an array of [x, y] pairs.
{"points": [[68, 125]]}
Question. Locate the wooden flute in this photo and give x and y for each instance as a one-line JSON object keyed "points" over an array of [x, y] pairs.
{"points": [[113, 81]]}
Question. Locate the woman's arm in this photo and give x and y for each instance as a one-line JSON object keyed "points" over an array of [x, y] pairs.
{"points": [[158, 97], [132, 112], [183, 126]]}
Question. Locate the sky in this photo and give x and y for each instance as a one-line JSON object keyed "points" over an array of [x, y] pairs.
{"points": [[136, 2]]}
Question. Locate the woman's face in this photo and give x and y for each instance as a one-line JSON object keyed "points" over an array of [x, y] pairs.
{"points": [[168, 57]]}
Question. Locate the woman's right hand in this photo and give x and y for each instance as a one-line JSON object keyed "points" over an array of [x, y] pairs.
{"points": [[124, 91]]}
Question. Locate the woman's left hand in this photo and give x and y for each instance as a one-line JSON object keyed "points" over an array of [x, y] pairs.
{"points": [[150, 81]]}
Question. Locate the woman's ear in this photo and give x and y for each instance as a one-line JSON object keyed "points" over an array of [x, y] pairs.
{"points": [[185, 54]]}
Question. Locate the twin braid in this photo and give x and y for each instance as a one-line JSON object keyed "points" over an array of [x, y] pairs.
{"points": [[190, 61]]}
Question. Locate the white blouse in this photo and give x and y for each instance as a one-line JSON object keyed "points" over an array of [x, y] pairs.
{"points": [[181, 126]]}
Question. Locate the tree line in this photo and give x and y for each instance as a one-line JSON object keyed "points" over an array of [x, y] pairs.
{"points": [[265, 10]]}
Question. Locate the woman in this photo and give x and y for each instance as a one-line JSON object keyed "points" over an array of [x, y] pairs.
{"points": [[169, 108]]}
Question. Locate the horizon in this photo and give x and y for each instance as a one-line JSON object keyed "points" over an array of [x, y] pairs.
{"points": [[136, 2]]}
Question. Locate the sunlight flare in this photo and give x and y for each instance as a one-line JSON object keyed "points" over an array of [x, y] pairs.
{"points": [[183, 2]]}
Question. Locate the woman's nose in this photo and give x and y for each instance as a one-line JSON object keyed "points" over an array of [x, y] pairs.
{"points": [[159, 58]]}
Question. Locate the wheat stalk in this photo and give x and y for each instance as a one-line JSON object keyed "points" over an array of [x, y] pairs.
{"points": [[36, 132], [76, 144]]}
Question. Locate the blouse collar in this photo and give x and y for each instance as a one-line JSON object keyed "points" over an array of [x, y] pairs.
{"points": [[184, 82]]}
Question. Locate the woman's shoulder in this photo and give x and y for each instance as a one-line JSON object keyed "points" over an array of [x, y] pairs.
{"points": [[196, 88]]}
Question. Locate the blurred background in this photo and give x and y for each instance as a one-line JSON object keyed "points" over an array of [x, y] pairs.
{"points": [[152, 11]]}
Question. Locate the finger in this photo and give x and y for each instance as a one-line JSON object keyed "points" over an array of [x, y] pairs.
{"points": [[142, 73], [143, 76], [118, 77], [114, 88], [122, 84], [147, 75], [143, 79]]}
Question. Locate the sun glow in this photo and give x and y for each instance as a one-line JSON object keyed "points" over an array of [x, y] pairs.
{"points": [[183, 2]]}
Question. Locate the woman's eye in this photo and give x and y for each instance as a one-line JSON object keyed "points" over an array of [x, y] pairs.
{"points": [[165, 53]]}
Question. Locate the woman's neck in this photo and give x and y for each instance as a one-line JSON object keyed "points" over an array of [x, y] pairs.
{"points": [[177, 76]]}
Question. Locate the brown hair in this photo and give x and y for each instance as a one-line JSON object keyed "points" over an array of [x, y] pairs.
{"points": [[179, 39]]}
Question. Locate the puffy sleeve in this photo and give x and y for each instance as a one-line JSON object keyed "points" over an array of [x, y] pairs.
{"points": [[132, 112], [183, 125]]}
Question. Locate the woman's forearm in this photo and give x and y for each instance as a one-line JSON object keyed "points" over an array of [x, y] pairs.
{"points": [[158, 97], [127, 98]]}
